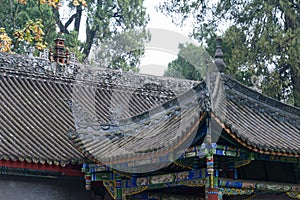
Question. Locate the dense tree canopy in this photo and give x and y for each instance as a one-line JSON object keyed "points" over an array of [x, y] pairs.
{"points": [[262, 39], [190, 63], [121, 51], [105, 19], [26, 24], [34, 23]]}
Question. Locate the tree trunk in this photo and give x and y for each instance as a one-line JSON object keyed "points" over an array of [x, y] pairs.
{"points": [[291, 23], [62, 28], [295, 70], [90, 35], [78, 18]]}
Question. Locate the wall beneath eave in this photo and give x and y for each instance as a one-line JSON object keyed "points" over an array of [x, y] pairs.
{"points": [[31, 188]]}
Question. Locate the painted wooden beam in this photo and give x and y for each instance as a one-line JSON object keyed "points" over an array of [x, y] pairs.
{"points": [[259, 185]]}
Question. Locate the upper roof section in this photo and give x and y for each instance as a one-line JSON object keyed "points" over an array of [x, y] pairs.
{"points": [[42, 67], [259, 102], [261, 123], [37, 98], [256, 121]]}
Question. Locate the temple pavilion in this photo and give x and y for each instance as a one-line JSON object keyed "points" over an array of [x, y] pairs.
{"points": [[68, 131]]}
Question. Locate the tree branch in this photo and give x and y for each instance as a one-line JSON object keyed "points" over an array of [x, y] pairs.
{"points": [[78, 18], [61, 27], [90, 35], [67, 24]]}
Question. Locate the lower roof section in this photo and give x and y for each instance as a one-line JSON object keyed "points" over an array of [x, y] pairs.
{"points": [[9, 167], [35, 118]]}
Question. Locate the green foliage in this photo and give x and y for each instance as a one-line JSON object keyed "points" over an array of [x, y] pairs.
{"points": [[112, 18], [73, 44], [236, 55], [31, 34], [106, 20], [262, 40], [122, 51], [190, 63], [27, 24]]}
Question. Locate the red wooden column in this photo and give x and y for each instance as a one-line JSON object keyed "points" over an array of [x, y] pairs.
{"points": [[212, 193]]}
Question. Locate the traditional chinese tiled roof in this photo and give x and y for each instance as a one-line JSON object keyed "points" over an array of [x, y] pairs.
{"points": [[156, 131], [38, 102], [136, 117], [261, 123], [64, 113], [34, 116]]}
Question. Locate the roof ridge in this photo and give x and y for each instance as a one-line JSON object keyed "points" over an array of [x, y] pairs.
{"points": [[260, 98], [23, 64]]}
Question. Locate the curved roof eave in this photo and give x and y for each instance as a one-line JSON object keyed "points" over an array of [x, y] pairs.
{"points": [[260, 123]]}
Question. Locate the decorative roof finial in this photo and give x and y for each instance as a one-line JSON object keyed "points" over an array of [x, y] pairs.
{"points": [[219, 62]]}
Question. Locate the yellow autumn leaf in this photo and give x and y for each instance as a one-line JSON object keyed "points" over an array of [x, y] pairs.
{"points": [[52, 3], [37, 37], [84, 3], [5, 42], [40, 46], [35, 28], [22, 1], [75, 3]]}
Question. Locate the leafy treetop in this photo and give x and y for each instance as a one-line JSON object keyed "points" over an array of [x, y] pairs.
{"points": [[262, 39]]}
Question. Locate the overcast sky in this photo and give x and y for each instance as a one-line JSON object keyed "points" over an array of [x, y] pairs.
{"points": [[156, 61]]}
